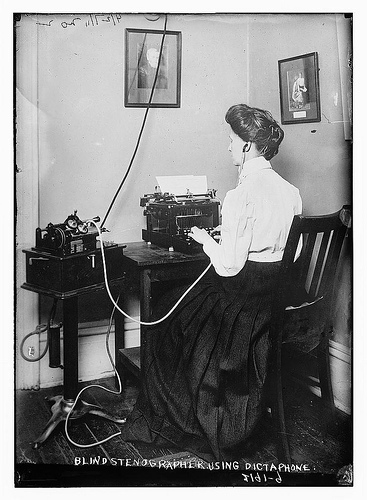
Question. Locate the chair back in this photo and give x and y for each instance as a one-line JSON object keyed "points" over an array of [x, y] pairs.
{"points": [[305, 290], [313, 272]]}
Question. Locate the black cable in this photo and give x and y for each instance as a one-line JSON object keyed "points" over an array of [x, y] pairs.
{"points": [[138, 64], [142, 126], [39, 329]]}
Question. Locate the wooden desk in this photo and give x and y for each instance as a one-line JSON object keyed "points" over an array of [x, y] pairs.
{"points": [[145, 265]]}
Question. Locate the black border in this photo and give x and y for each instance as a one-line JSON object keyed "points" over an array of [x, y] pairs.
{"points": [[57, 476]]}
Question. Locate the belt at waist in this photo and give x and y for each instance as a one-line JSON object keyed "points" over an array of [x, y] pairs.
{"points": [[265, 257]]}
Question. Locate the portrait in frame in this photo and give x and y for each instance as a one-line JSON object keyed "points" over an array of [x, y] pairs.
{"points": [[299, 89], [142, 56]]}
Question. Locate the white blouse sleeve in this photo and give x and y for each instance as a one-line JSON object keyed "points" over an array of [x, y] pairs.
{"points": [[229, 256]]}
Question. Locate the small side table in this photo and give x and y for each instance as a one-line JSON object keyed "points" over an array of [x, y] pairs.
{"points": [[67, 278]]}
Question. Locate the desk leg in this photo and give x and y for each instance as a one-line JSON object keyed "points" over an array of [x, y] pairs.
{"points": [[70, 324], [145, 308]]}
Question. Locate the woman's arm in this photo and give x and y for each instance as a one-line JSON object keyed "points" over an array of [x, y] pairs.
{"points": [[229, 256]]}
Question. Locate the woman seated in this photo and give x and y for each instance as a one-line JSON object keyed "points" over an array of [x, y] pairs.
{"points": [[205, 366]]}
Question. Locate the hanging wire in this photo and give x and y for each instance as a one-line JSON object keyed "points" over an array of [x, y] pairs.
{"points": [[118, 392], [144, 323], [142, 126]]}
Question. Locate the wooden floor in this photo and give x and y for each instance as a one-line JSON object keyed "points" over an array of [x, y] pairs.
{"points": [[59, 463]]}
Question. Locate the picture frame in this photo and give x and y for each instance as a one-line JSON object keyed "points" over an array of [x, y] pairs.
{"points": [[299, 89], [142, 49]]}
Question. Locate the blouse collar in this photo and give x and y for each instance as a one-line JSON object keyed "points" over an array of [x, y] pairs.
{"points": [[252, 166]]}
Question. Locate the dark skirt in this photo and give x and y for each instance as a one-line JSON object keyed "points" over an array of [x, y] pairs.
{"points": [[205, 366]]}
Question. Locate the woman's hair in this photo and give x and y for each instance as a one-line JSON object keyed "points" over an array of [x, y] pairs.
{"points": [[257, 126]]}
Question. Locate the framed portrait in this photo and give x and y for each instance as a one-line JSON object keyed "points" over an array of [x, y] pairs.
{"points": [[299, 89], [142, 62]]}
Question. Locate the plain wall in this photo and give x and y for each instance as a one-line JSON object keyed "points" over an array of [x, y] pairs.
{"points": [[315, 157], [87, 136]]}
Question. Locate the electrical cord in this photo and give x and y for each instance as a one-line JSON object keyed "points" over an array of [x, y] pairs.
{"points": [[68, 416], [142, 126], [39, 329], [42, 328], [144, 323], [115, 305]]}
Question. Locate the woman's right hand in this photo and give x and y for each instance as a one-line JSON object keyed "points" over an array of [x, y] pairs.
{"points": [[217, 229], [216, 232], [199, 235]]}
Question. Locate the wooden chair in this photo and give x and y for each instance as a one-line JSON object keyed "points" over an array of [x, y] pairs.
{"points": [[306, 285]]}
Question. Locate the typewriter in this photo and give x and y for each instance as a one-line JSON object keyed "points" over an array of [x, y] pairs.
{"points": [[169, 218]]}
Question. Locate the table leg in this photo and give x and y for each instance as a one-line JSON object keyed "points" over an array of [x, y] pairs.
{"points": [[119, 339], [70, 328], [145, 308], [62, 405]]}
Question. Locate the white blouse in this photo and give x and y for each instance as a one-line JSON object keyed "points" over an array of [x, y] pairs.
{"points": [[256, 218]]}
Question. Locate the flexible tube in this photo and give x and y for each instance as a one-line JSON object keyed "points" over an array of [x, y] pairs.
{"points": [[90, 445], [142, 126], [144, 323]]}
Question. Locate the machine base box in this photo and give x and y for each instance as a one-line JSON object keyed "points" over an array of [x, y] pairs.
{"points": [[72, 272]]}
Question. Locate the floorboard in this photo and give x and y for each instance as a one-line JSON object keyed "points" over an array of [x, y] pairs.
{"points": [[324, 454]]}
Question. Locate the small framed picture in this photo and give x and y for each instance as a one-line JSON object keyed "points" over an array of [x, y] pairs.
{"points": [[299, 89], [148, 62]]}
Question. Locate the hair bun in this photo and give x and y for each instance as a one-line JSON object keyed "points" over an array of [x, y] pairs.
{"points": [[275, 132], [257, 126]]}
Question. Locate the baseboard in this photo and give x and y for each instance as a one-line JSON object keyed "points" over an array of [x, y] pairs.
{"points": [[94, 362], [341, 377]]}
